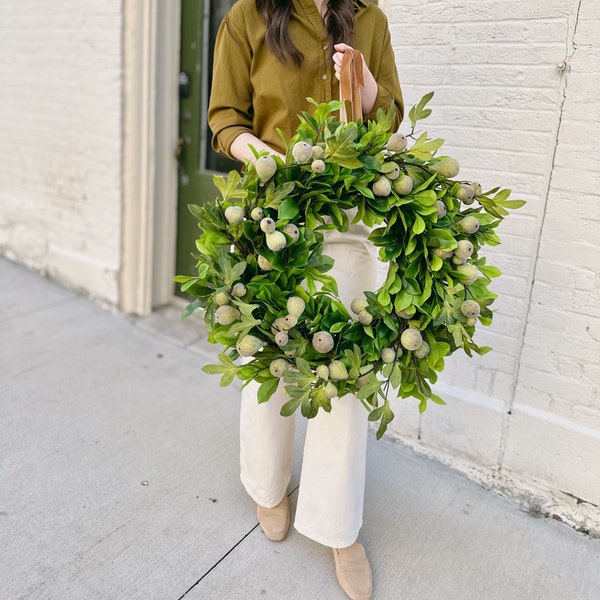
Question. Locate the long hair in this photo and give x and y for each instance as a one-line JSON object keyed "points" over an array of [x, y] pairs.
{"points": [[339, 21]]}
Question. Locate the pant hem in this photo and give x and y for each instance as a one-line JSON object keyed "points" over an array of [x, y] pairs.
{"points": [[261, 502], [343, 543]]}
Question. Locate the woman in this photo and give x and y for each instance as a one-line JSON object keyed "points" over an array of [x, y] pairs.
{"points": [[270, 55]]}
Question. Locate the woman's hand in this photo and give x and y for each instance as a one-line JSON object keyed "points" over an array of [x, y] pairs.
{"points": [[240, 148], [368, 93]]}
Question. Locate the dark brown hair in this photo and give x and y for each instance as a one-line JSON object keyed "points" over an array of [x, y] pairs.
{"points": [[339, 20]]}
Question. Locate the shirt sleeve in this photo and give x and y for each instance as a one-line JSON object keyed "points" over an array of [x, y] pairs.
{"points": [[230, 105], [388, 85]]}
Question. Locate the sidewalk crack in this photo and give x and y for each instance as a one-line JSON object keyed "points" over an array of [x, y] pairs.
{"points": [[225, 555], [217, 563]]}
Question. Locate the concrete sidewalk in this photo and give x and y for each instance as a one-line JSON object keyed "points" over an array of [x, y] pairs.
{"points": [[119, 480]]}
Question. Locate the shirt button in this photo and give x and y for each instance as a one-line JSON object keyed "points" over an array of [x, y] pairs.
{"points": [[324, 76], [325, 47]]}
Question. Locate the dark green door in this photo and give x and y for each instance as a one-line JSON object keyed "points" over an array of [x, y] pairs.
{"points": [[200, 20]]}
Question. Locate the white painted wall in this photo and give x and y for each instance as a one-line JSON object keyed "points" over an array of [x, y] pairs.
{"points": [[60, 140], [524, 419]]}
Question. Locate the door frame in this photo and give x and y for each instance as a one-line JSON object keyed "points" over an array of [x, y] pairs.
{"points": [[151, 46]]}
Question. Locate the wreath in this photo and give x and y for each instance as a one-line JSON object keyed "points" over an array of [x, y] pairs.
{"points": [[262, 276]]}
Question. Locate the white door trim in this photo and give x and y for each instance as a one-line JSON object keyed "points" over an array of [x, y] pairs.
{"points": [[151, 36]]}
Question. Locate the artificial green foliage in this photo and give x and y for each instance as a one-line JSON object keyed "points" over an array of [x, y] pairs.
{"points": [[429, 227]]}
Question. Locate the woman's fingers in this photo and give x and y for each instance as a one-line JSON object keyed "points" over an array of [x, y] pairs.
{"points": [[342, 47], [339, 56]]}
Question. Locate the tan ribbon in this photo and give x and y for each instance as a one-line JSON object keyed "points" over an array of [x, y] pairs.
{"points": [[351, 80]]}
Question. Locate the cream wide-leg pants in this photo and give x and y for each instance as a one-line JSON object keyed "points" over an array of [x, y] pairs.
{"points": [[332, 481]]}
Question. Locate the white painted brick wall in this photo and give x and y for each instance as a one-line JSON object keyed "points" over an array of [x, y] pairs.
{"points": [[60, 140], [527, 415], [525, 418]]}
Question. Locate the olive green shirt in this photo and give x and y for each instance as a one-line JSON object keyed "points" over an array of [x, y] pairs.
{"points": [[253, 92]]}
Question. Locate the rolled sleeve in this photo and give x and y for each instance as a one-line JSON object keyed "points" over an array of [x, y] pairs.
{"points": [[230, 105]]}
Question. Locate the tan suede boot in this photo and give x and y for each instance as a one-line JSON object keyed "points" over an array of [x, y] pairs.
{"points": [[353, 571], [275, 522]]}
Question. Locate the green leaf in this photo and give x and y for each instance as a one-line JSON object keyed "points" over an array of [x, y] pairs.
{"points": [[288, 209], [372, 386], [386, 417], [369, 162], [304, 367], [220, 184], [365, 191], [267, 389], [215, 369], [490, 271], [419, 225], [191, 308], [437, 399], [419, 111], [290, 407], [227, 378]]}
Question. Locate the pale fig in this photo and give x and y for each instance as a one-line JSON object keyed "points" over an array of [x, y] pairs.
{"points": [[227, 314], [397, 142], [459, 260], [411, 339], [323, 372], [317, 166], [358, 304], [257, 213], [468, 224], [423, 350], [265, 167], [239, 290], [382, 187], [302, 152], [476, 188], [469, 272], [465, 193], [404, 185], [278, 367], [365, 317], [292, 232], [447, 168], [406, 313], [338, 371], [295, 305], [441, 209], [471, 321], [330, 390], [234, 214], [464, 249], [388, 355], [222, 298], [317, 152], [362, 381], [290, 321], [282, 338], [276, 241], [322, 342], [267, 225], [394, 173], [264, 264], [443, 254], [470, 308], [280, 324], [249, 345]]}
